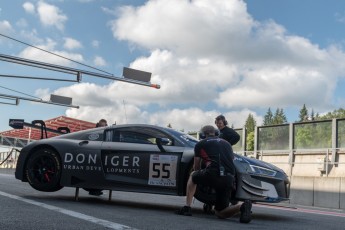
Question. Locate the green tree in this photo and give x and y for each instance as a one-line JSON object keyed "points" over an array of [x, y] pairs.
{"points": [[250, 127], [303, 114], [279, 117], [317, 116], [338, 113], [250, 123], [312, 116], [268, 118], [250, 141]]}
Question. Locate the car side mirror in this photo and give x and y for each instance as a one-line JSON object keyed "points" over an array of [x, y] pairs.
{"points": [[164, 141]]}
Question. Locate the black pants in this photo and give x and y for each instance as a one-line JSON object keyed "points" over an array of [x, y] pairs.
{"points": [[222, 185]]}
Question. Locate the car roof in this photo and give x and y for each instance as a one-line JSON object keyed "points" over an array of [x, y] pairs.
{"points": [[101, 129]]}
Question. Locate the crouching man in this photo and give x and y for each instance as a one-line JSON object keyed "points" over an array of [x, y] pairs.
{"points": [[219, 173]]}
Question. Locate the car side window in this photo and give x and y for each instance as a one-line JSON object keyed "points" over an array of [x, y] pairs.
{"points": [[133, 137], [109, 135], [138, 136]]}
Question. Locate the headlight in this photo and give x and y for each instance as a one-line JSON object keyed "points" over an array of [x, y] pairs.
{"points": [[262, 170]]}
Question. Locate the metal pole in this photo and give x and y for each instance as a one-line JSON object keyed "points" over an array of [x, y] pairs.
{"points": [[36, 100], [77, 72]]}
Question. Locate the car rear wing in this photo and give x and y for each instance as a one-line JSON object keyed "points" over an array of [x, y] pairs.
{"points": [[37, 124]]}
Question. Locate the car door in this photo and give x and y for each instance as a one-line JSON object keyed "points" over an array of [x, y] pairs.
{"points": [[141, 159]]}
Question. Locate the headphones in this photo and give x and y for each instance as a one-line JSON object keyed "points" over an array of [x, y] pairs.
{"points": [[221, 117], [202, 135]]}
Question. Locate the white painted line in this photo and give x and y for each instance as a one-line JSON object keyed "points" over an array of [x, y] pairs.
{"points": [[78, 215], [305, 210]]}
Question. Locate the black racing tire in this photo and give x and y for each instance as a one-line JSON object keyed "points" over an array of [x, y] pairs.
{"points": [[43, 170]]}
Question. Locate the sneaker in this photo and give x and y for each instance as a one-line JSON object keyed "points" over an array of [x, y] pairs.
{"points": [[246, 212], [185, 211]]}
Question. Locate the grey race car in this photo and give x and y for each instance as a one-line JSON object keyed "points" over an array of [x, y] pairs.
{"points": [[137, 158]]}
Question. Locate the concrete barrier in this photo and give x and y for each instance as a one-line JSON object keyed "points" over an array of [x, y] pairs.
{"points": [[325, 192], [302, 190], [342, 193]]}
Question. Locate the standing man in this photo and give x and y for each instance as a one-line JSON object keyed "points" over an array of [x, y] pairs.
{"points": [[102, 123], [219, 173], [226, 133]]}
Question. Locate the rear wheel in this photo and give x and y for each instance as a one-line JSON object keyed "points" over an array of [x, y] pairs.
{"points": [[43, 170]]}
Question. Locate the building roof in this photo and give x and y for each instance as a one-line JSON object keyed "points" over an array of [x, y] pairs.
{"points": [[62, 121]]}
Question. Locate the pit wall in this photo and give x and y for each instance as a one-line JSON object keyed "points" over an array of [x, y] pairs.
{"points": [[314, 181]]}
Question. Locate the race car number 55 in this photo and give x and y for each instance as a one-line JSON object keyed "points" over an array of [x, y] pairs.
{"points": [[161, 167], [162, 170]]}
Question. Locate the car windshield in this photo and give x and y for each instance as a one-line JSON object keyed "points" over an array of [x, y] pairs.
{"points": [[192, 140], [185, 138]]}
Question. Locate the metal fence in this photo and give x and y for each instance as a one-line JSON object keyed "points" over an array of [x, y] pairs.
{"points": [[13, 142], [324, 140], [302, 135], [326, 137], [9, 159]]}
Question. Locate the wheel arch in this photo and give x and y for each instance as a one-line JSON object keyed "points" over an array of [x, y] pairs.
{"points": [[188, 170], [43, 168], [32, 151]]}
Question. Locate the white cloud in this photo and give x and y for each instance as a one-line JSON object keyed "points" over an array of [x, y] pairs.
{"points": [[22, 22], [99, 61], [51, 15], [71, 44], [188, 27], [5, 27], [115, 109], [29, 7], [109, 11], [39, 55], [95, 43], [31, 36], [210, 54], [227, 56], [340, 17]]}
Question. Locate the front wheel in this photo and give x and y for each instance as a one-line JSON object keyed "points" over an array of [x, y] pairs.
{"points": [[43, 170]]}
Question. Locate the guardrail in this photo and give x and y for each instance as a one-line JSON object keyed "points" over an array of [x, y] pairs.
{"points": [[9, 159], [317, 162]]}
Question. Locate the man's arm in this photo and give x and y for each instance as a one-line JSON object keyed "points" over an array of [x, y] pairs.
{"points": [[232, 136], [197, 163]]}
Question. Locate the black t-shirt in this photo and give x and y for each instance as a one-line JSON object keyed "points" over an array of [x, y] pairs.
{"points": [[229, 135], [213, 150]]}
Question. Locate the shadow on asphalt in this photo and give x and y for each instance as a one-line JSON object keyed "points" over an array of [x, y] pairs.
{"points": [[144, 206]]}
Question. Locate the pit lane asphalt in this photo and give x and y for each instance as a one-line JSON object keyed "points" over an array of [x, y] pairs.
{"points": [[138, 211]]}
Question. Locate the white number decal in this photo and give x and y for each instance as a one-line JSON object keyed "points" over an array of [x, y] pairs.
{"points": [[163, 170]]}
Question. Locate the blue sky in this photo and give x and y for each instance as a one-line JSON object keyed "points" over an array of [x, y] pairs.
{"points": [[209, 56]]}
